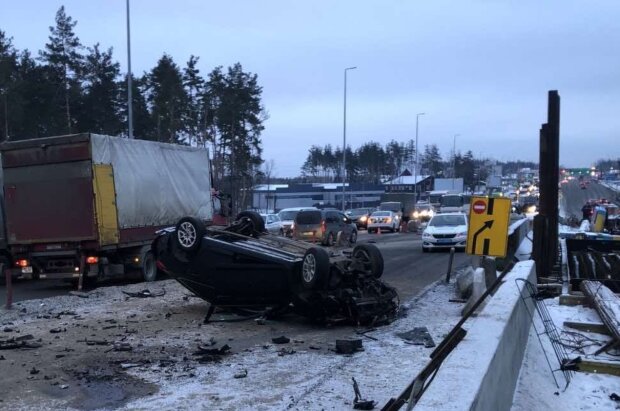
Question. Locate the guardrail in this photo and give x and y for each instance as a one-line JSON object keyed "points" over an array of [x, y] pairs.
{"points": [[516, 233]]}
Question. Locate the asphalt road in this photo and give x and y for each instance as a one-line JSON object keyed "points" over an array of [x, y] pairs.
{"points": [[406, 268], [573, 197]]}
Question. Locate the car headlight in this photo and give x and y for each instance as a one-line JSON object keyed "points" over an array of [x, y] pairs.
{"points": [[416, 214], [463, 234], [363, 218], [426, 235]]}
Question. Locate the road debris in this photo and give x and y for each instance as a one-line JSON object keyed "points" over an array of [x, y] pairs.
{"points": [[145, 294], [360, 403], [80, 294], [211, 354], [281, 340], [241, 374], [349, 346], [23, 341], [418, 336]]}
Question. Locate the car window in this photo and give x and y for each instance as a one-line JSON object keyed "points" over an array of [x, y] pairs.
{"points": [[276, 218], [381, 214], [288, 215], [447, 220], [308, 217]]}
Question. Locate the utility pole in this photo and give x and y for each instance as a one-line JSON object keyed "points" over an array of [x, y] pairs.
{"points": [[344, 139], [129, 91], [415, 169]]}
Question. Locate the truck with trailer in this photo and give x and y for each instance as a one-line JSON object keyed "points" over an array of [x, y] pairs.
{"points": [[88, 205]]}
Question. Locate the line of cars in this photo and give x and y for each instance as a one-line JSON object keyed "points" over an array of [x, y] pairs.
{"points": [[442, 231]]}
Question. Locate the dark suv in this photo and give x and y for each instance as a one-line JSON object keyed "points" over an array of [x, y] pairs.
{"points": [[322, 226]]}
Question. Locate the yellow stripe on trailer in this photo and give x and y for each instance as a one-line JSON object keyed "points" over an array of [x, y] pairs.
{"points": [[105, 204]]}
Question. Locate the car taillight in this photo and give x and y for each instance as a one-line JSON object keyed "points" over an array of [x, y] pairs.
{"points": [[323, 226], [21, 263], [92, 260]]}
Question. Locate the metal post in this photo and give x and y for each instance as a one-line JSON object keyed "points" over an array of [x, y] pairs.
{"points": [[6, 118], [450, 264], [344, 139], [129, 91], [454, 159], [9, 285], [415, 169]]}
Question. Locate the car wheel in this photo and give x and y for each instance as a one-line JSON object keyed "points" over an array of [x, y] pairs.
{"points": [[369, 230], [330, 240], [149, 268], [281, 233], [255, 218], [424, 250], [369, 256], [392, 229], [314, 268], [189, 233], [353, 238]]}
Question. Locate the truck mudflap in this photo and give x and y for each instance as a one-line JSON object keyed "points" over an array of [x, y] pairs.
{"points": [[240, 266]]}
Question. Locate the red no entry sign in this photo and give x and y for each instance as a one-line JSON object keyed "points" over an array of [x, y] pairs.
{"points": [[480, 207]]}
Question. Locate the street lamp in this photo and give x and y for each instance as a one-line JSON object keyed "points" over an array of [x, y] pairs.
{"points": [[129, 91], [415, 168], [344, 138], [454, 159]]}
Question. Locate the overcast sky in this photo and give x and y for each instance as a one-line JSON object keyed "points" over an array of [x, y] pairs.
{"points": [[480, 69]]}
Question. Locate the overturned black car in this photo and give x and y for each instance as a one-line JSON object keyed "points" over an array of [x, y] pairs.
{"points": [[242, 265]]}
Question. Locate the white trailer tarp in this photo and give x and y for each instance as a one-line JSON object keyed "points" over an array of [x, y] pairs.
{"points": [[156, 183]]}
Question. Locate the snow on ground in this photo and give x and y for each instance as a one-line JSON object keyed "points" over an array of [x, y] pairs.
{"points": [[290, 376], [309, 379], [536, 389]]}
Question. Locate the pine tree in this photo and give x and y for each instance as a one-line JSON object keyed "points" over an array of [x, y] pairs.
{"points": [[100, 107], [168, 101], [194, 86], [8, 73], [65, 63]]}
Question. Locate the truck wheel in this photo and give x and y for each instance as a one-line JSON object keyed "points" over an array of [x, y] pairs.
{"points": [[314, 268], [149, 268], [255, 218], [189, 233], [370, 257]]}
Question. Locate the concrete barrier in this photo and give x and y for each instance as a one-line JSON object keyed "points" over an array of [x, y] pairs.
{"points": [[482, 372], [516, 233]]}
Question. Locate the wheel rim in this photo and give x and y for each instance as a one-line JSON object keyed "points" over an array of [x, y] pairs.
{"points": [[187, 234], [309, 268], [354, 236], [363, 257]]}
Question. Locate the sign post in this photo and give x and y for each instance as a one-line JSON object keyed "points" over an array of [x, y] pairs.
{"points": [[487, 233]]}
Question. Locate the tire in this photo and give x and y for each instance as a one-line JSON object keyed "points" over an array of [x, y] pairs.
{"points": [[281, 233], [370, 231], [149, 268], [314, 268], [353, 238], [189, 233], [370, 256], [392, 229], [255, 218], [424, 250]]}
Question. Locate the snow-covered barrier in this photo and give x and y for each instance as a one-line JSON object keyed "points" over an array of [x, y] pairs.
{"points": [[482, 371]]}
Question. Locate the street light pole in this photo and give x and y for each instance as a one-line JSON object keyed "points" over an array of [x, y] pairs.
{"points": [[129, 91], [454, 159], [415, 168], [344, 138]]}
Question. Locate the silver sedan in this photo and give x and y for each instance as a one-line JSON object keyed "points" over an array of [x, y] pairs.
{"points": [[273, 224]]}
